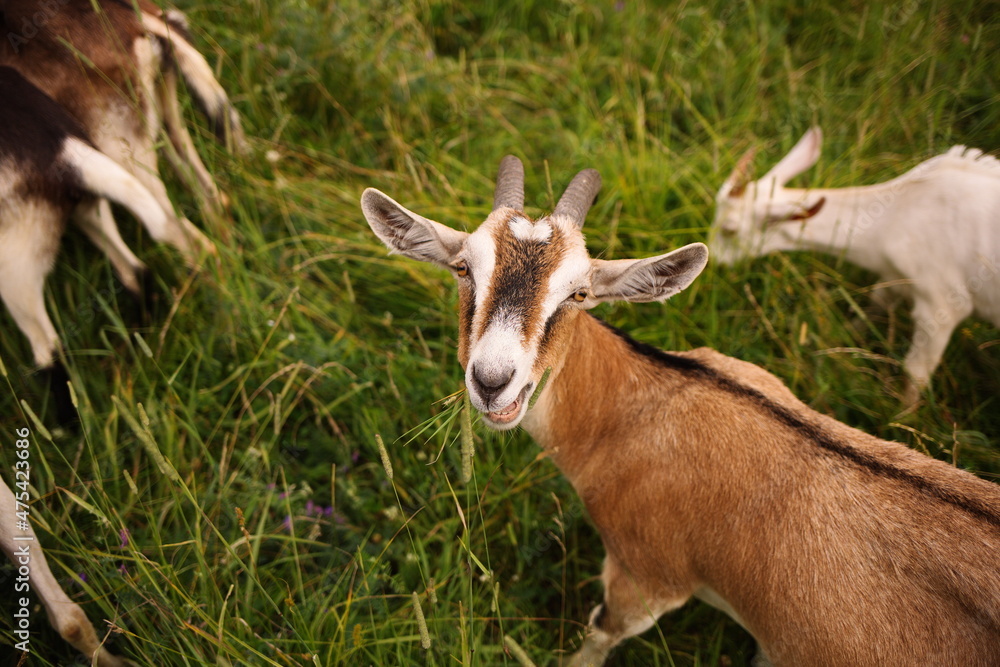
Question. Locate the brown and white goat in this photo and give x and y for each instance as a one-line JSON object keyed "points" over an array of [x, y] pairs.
{"points": [[704, 475], [115, 70], [66, 616], [51, 172]]}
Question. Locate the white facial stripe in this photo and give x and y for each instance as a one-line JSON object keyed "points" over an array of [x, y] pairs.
{"points": [[526, 231], [571, 274], [481, 249], [503, 333]]}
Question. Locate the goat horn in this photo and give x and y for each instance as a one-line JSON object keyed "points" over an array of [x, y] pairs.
{"points": [[579, 196], [510, 184], [740, 177]]}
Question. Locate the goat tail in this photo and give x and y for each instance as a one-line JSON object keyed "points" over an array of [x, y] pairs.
{"points": [[99, 175], [171, 30]]}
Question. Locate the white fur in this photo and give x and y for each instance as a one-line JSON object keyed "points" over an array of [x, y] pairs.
{"points": [[29, 241], [934, 232], [710, 597], [105, 177], [573, 272], [102, 175], [480, 250], [31, 229], [499, 352], [95, 220], [525, 230]]}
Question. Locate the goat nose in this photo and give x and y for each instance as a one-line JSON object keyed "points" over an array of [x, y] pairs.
{"points": [[491, 382]]}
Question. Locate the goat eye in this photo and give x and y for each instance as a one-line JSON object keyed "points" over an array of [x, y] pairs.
{"points": [[462, 269], [580, 296]]}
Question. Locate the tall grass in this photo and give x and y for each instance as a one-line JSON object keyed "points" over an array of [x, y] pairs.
{"points": [[242, 515]]}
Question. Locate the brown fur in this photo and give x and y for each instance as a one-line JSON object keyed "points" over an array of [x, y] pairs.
{"points": [[88, 93], [827, 559]]}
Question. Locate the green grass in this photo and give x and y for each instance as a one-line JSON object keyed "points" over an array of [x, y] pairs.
{"points": [[266, 376]]}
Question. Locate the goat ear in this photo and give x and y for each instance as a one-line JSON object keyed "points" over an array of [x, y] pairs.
{"points": [[651, 279], [808, 212], [801, 157], [409, 234]]}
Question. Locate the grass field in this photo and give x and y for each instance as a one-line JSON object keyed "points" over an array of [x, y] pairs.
{"points": [[224, 502]]}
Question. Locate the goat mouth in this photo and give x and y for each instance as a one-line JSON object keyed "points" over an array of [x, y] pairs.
{"points": [[510, 412]]}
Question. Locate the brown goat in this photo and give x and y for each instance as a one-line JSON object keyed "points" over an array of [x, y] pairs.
{"points": [[703, 474]]}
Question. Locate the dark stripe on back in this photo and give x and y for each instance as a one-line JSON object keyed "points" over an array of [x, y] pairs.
{"points": [[696, 369]]}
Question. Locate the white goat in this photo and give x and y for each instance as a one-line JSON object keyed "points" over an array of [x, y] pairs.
{"points": [[66, 616], [704, 475], [934, 232]]}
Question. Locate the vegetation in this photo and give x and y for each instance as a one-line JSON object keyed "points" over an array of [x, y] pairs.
{"points": [[223, 501]]}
